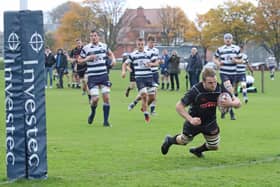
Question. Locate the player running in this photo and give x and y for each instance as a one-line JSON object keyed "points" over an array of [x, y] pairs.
{"points": [[201, 117]]}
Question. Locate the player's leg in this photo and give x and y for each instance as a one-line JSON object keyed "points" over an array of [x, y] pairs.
{"points": [[106, 104], [244, 91], [144, 107], [94, 97], [272, 70], [189, 132], [152, 92], [211, 143]]}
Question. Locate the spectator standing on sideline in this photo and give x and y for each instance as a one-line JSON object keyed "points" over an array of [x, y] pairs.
{"points": [[194, 67], [173, 70], [49, 62], [61, 65], [164, 70]]}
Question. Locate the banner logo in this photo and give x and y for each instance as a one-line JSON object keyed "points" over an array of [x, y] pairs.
{"points": [[13, 41], [36, 42]]}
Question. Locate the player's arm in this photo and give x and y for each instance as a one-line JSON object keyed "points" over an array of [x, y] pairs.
{"points": [[153, 63], [112, 57], [128, 69], [250, 69], [237, 60], [217, 61], [83, 57], [181, 110], [235, 102], [124, 68], [181, 105], [72, 60]]}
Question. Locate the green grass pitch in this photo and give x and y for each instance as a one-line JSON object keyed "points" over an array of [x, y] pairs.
{"points": [[128, 154]]}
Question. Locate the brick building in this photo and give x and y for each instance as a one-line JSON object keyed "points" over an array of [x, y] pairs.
{"points": [[136, 23]]}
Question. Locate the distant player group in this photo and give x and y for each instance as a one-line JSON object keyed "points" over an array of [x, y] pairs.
{"points": [[143, 63]]}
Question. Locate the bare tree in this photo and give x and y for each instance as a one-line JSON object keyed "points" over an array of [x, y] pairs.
{"points": [[174, 25], [108, 14], [57, 13]]}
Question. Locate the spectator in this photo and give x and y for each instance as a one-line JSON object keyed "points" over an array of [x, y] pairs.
{"points": [[163, 70], [61, 65], [194, 67], [49, 62], [173, 69]]}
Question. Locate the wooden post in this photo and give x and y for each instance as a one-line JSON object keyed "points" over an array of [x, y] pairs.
{"points": [[262, 78]]}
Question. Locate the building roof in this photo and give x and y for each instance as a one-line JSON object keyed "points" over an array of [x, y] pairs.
{"points": [[135, 20]]}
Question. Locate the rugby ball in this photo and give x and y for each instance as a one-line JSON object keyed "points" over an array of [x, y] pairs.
{"points": [[222, 97]]}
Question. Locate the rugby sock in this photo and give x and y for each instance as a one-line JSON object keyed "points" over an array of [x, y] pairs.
{"points": [[152, 107], [231, 112], [162, 86], [93, 108], [106, 111], [244, 92], [89, 97], [127, 91], [202, 148], [173, 139], [135, 102]]}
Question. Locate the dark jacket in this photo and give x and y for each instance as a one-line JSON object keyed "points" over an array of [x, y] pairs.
{"points": [[194, 63], [49, 60], [61, 61], [173, 65]]}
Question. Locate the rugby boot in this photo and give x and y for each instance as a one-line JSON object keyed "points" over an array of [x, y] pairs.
{"points": [[90, 118], [147, 117], [107, 124], [196, 153], [131, 106], [166, 145]]}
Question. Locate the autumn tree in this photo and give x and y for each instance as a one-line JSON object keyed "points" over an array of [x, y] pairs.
{"points": [[175, 24], [76, 23], [57, 13], [236, 17], [108, 13], [268, 26]]}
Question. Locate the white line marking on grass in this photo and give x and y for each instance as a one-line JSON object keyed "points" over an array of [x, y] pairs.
{"points": [[196, 168], [248, 163]]}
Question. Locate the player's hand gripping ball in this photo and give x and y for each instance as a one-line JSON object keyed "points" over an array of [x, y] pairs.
{"points": [[223, 97]]}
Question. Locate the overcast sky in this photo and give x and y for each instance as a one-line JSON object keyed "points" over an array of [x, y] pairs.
{"points": [[191, 7]]}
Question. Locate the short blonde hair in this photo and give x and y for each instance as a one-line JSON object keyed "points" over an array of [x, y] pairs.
{"points": [[208, 72]]}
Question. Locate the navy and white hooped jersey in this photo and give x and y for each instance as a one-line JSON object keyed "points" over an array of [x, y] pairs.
{"points": [[98, 66], [226, 54], [241, 68], [140, 60], [155, 56]]}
